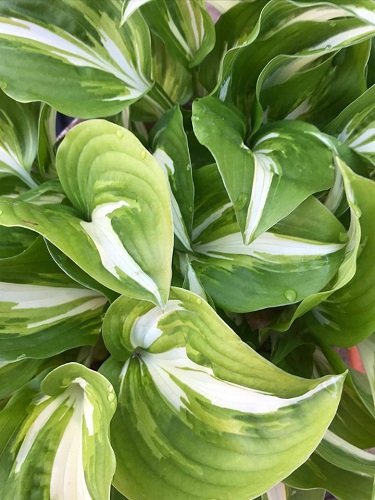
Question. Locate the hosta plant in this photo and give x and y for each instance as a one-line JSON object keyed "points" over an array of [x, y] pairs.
{"points": [[185, 268]]}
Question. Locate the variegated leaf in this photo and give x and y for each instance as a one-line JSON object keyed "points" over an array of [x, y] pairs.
{"points": [[243, 52], [121, 232], [171, 151], [341, 468], [366, 350], [286, 163], [200, 413], [313, 88], [356, 125], [15, 374], [43, 311], [282, 266], [18, 139], [67, 424], [185, 27], [347, 314], [47, 141], [79, 44]]}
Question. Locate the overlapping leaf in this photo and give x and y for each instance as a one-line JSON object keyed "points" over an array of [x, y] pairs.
{"points": [[185, 27], [298, 255], [347, 316], [264, 30], [18, 139], [67, 424], [121, 232], [285, 164], [171, 151], [43, 311], [356, 125], [200, 413], [78, 44]]}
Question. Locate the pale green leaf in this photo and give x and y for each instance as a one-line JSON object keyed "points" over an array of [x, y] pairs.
{"points": [[199, 410], [121, 232], [46, 141], [67, 424], [15, 374], [103, 67], [18, 139], [284, 164], [366, 350]]}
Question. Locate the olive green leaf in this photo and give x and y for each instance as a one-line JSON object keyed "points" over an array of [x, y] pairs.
{"points": [[78, 45], [284, 164], [298, 255], [200, 413]]}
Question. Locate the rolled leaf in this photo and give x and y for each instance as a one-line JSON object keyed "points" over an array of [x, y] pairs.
{"points": [[356, 125], [67, 424], [200, 413], [346, 317], [102, 66], [285, 164], [18, 139], [171, 151], [185, 27]]}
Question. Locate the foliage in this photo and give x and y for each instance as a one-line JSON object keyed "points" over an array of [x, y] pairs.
{"points": [[178, 269]]}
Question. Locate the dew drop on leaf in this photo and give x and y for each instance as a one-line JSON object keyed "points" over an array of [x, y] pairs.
{"points": [[290, 295]]}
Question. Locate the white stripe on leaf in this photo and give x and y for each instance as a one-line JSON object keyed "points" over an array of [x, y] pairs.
{"points": [[112, 252], [172, 371], [266, 244]]}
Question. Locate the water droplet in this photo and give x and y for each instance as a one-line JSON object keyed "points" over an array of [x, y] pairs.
{"points": [[111, 397], [190, 209], [143, 154], [1, 212], [199, 301], [328, 47], [241, 201], [65, 382], [343, 237], [120, 133], [3, 85], [333, 24], [290, 295], [188, 167]]}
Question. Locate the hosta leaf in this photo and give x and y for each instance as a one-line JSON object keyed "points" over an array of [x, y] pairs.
{"points": [[14, 240], [67, 424], [283, 492], [46, 141], [171, 151], [14, 374], [18, 139], [298, 255], [318, 472], [185, 27], [43, 311], [103, 67], [347, 316], [366, 350], [356, 125], [200, 413], [244, 51], [285, 164], [123, 234], [313, 88]]}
